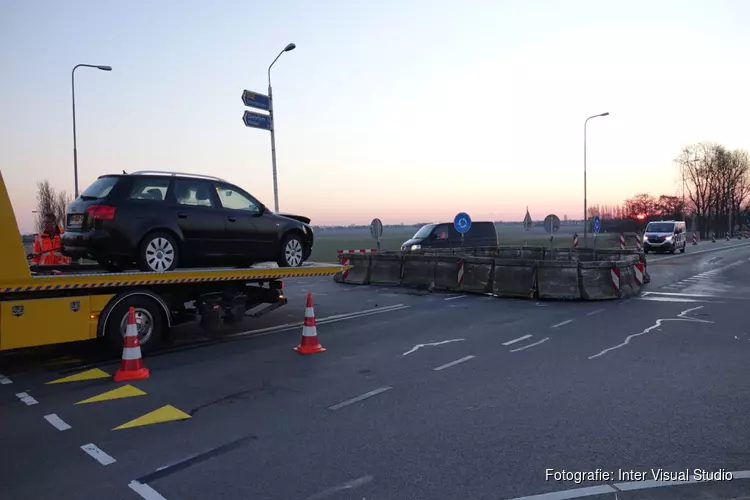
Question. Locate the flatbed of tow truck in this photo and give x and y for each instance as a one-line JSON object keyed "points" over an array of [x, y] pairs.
{"points": [[43, 305]]}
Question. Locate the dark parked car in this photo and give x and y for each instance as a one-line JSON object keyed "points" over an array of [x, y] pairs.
{"points": [[164, 220], [444, 235]]}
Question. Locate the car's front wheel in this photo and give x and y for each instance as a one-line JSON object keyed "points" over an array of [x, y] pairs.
{"points": [[158, 253], [292, 251]]}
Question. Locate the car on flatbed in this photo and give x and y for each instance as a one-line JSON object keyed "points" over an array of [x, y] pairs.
{"points": [[53, 304], [160, 221]]}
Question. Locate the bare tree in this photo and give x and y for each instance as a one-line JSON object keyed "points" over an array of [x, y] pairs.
{"points": [[50, 201]]}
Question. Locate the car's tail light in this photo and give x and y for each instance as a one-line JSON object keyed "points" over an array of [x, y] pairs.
{"points": [[101, 212]]}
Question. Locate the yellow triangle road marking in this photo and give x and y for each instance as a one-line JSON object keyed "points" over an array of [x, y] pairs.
{"points": [[92, 374], [166, 413], [126, 391]]}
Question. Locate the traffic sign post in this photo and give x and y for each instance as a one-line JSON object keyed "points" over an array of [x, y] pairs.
{"points": [[257, 120], [462, 223], [551, 225], [255, 100], [597, 227], [376, 230]]}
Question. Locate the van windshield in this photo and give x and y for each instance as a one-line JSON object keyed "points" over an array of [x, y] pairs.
{"points": [[424, 232], [660, 227]]}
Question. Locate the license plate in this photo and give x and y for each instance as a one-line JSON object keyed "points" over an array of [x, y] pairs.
{"points": [[75, 220]]}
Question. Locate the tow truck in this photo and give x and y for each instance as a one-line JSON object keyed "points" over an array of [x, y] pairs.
{"points": [[43, 305]]}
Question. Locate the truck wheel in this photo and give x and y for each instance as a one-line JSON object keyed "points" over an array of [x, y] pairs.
{"points": [[149, 317], [292, 251], [158, 253]]}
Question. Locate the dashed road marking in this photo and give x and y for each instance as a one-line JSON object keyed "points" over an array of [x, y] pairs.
{"points": [[26, 399], [359, 398], [519, 339], [145, 491], [545, 339], [453, 363], [97, 454], [595, 312], [57, 422], [5, 380], [562, 323], [349, 485], [455, 297]]}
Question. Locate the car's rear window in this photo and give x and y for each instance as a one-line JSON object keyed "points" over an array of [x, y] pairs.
{"points": [[100, 188]]}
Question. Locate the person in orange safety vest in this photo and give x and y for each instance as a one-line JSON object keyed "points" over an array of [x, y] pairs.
{"points": [[47, 247]]}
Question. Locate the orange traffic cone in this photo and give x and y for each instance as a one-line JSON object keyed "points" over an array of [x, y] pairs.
{"points": [[131, 366], [309, 343]]}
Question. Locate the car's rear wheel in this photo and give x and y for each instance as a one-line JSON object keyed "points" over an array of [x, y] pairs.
{"points": [[292, 251], [158, 253]]}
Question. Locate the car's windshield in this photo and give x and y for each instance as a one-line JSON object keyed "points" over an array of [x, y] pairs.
{"points": [[424, 232], [100, 188], [660, 227]]}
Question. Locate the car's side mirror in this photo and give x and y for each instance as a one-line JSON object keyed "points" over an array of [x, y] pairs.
{"points": [[261, 209]]}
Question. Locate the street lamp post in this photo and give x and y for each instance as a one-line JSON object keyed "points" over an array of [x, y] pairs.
{"points": [[289, 47], [73, 92], [585, 199]]}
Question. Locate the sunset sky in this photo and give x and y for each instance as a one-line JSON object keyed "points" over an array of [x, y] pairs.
{"points": [[406, 110]]}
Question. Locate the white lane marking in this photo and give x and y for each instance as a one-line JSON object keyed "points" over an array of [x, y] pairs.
{"points": [[629, 486], [320, 321], [26, 399], [595, 312], [680, 317], [349, 485], [576, 493], [57, 422], [453, 363], [545, 339], [145, 491], [563, 323], [675, 294], [97, 454], [519, 339], [669, 299], [455, 297], [360, 398], [5, 380], [432, 344]]}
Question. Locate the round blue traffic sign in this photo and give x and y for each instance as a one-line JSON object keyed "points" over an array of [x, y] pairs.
{"points": [[597, 224], [462, 222]]}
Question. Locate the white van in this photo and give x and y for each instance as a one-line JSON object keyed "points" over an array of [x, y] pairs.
{"points": [[665, 235]]}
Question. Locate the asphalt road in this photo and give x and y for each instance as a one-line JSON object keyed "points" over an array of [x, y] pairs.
{"points": [[418, 396]]}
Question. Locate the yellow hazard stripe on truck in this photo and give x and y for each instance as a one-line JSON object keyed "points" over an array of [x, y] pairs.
{"points": [[79, 282]]}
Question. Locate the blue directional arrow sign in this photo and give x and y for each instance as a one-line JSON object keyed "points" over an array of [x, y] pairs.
{"points": [[597, 224], [255, 100], [462, 222], [257, 120]]}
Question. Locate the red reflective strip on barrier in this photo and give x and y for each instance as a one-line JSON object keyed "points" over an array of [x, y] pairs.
{"points": [[345, 262], [460, 273], [615, 274], [638, 268], [622, 241], [575, 241]]}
